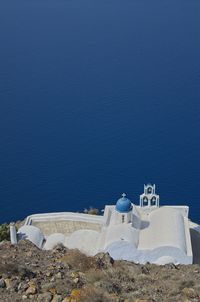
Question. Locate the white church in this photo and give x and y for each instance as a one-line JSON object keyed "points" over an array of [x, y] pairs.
{"points": [[144, 233]]}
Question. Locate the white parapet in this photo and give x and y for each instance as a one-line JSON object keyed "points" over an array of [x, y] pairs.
{"points": [[13, 234]]}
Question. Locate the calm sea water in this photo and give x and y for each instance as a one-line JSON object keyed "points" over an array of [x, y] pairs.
{"points": [[98, 98]]}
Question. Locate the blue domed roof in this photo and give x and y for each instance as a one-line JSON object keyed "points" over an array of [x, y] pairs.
{"points": [[123, 205]]}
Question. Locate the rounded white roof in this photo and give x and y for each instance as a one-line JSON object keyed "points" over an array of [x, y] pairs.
{"points": [[165, 260], [53, 240], [121, 232], [84, 240], [31, 233], [122, 250], [166, 228]]}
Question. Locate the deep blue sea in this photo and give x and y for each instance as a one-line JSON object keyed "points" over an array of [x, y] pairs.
{"points": [[98, 98]]}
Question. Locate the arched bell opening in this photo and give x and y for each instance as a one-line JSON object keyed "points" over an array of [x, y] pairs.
{"points": [[149, 190], [145, 201], [153, 201]]}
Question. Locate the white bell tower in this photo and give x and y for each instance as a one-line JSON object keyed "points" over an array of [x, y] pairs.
{"points": [[149, 198]]}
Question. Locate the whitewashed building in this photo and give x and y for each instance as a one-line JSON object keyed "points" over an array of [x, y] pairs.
{"points": [[144, 233]]}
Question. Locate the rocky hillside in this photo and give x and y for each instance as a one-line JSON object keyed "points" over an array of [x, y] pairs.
{"points": [[29, 274]]}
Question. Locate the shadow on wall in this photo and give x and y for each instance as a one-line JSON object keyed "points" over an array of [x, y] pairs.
{"points": [[195, 238], [144, 224]]}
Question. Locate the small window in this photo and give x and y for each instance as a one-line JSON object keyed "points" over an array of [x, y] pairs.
{"points": [[123, 218]]}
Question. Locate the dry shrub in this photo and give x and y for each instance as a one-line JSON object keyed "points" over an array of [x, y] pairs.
{"points": [[113, 280], [92, 211], [122, 273], [92, 294], [9, 268], [104, 280], [78, 261], [14, 269], [93, 276], [4, 232], [186, 283]]}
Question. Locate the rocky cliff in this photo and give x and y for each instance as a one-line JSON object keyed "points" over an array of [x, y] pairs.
{"points": [[30, 274]]}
